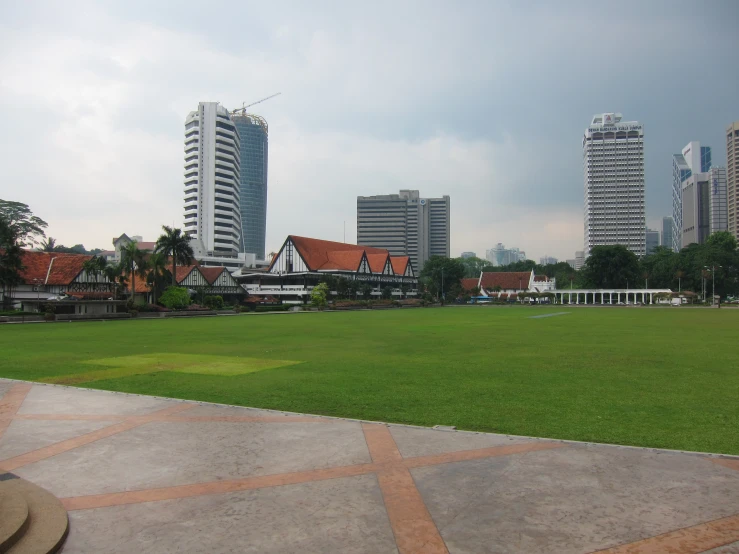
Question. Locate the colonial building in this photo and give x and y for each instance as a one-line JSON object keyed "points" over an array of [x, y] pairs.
{"points": [[302, 262], [60, 280], [198, 279], [503, 284]]}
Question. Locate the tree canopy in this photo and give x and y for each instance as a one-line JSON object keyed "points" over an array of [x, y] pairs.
{"points": [[441, 274], [612, 266], [175, 244], [28, 228]]}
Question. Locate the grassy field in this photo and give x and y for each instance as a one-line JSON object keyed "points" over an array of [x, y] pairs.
{"points": [[661, 377]]}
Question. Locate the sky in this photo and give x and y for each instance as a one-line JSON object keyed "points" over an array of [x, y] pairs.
{"points": [[483, 101]]}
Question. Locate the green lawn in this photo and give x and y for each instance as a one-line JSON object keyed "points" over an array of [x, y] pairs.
{"points": [[661, 377]]}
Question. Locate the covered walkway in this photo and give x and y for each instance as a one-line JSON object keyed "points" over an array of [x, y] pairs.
{"points": [[608, 296]]}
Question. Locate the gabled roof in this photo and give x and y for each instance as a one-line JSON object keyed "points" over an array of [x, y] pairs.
{"points": [[325, 254], [513, 280], [469, 283], [211, 274], [51, 268], [541, 279], [183, 271], [400, 264], [377, 261]]}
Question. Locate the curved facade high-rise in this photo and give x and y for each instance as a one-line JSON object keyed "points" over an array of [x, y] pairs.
{"points": [[254, 135], [212, 180]]}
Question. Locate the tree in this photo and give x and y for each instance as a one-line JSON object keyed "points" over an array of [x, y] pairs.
{"points": [[11, 262], [115, 273], [175, 244], [473, 266], [387, 292], [175, 298], [722, 240], [48, 245], [318, 295], [158, 275], [444, 273], [27, 227], [134, 262], [366, 290], [611, 266], [95, 266]]}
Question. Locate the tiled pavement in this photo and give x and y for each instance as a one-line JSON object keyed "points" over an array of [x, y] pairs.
{"points": [[150, 475]]}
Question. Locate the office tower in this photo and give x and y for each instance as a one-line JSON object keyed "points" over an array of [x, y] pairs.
{"points": [[717, 199], [667, 233], [253, 133], [693, 159], [212, 170], [652, 240], [732, 178], [468, 255], [405, 224], [547, 260], [499, 255], [613, 165], [579, 259]]}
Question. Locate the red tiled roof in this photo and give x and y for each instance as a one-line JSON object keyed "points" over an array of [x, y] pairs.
{"points": [[541, 278], [182, 271], [514, 280], [326, 254], [147, 246], [377, 261], [400, 264], [469, 283], [211, 273], [64, 267]]}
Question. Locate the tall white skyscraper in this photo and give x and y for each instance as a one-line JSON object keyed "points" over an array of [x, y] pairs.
{"points": [[613, 164], [212, 179], [693, 159]]}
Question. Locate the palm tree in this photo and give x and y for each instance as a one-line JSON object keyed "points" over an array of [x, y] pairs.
{"points": [[48, 245], [114, 274], [175, 243], [95, 267], [158, 273], [134, 262]]}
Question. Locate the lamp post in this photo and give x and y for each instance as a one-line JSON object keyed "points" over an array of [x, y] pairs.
{"points": [[712, 269]]}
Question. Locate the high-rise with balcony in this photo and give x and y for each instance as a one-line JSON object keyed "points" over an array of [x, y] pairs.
{"points": [[253, 133], [732, 178], [694, 158], [613, 165], [212, 171], [405, 224]]}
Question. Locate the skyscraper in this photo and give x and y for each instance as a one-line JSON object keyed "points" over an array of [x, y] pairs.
{"points": [[732, 178], [667, 232], [652, 240], [405, 224], [212, 168], [253, 133], [693, 159], [613, 164], [718, 205]]}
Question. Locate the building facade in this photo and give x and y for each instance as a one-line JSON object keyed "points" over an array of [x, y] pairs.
{"points": [[405, 224], [718, 199], [732, 178], [652, 240], [694, 158], [547, 260], [499, 255], [212, 180], [667, 233], [613, 166], [468, 255], [254, 135]]}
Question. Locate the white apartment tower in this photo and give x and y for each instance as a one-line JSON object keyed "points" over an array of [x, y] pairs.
{"points": [[732, 178], [693, 160], [613, 164], [212, 181]]}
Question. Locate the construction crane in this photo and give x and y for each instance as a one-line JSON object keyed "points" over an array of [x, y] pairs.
{"points": [[243, 108]]}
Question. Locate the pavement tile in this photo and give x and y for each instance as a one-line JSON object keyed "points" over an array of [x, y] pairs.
{"points": [[5, 386], [338, 515], [413, 442], [24, 436], [237, 411], [47, 399], [732, 548], [167, 454], [575, 499]]}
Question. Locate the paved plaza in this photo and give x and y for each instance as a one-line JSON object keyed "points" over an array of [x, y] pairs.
{"points": [[149, 475]]}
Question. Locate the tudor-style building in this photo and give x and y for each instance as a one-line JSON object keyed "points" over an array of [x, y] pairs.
{"points": [[302, 262], [206, 280], [60, 279]]}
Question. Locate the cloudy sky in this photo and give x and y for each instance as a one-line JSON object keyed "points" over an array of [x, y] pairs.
{"points": [[484, 101]]}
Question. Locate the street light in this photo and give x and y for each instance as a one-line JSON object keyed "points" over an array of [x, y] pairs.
{"points": [[712, 269]]}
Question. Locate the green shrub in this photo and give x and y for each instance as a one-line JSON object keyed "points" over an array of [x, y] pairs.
{"points": [[175, 298], [277, 308], [214, 302]]}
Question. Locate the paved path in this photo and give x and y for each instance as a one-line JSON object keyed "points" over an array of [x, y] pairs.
{"points": [[148, 475]]}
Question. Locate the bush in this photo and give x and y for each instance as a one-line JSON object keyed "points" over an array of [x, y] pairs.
{"points": [[50, 316], [175, 298], [275, 308], [214, 302]]}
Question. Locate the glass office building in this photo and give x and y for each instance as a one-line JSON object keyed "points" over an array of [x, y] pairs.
{"points": [[253, 133]]}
